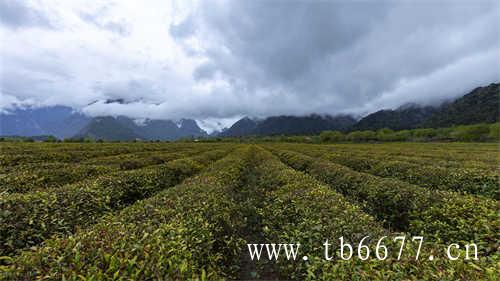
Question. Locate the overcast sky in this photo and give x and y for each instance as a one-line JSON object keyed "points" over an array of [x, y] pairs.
{"points": [[221, 60]]}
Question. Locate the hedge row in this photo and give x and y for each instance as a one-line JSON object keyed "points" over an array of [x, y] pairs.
{"points": [[30, 177], [478, 152], [445, 161], [50, 176], [27, 219], [36, 153], [188, 232], [464, 180], [438, 215], [299, 209], [477, 155]]}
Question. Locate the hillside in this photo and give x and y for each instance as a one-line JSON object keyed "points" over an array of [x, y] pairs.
{"points": [[59, 121], [242, 127], [482, 105], [479, 106], [408, 117], [107, 128], [124, 128], [289, 125]]}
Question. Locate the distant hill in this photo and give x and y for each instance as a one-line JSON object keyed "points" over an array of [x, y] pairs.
{"points": [[242, 127], [482, 105], [65, 122], [406, 117], [59, 121], [189, 127], [479, 106], [107, 128], [124, 128], [289, 125]]}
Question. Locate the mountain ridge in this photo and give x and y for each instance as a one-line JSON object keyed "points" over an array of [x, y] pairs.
{"points": [[123, 128], [481, 105]]}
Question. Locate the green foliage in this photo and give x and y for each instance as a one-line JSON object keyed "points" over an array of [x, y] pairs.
{"points": [[183, 214], [28, 219], [468, 133], [494, 134], [482, 105], [408, 207], [51, 139], [360, 136], [424, 134], [385, 134], [129, 165], [299, 208], [186, 232], [477, 179], [477, 132], [331, 136]]}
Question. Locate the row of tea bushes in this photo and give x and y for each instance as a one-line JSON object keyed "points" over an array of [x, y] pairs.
{"points": [[136, 160], [485, 153], [188, 232], [444, 162], [470, 157], [464, 180], [27, 219], [52, 175], [437, 215], [39, 176], [52, 152], [299, 209], [31, 177], [111, 148]]}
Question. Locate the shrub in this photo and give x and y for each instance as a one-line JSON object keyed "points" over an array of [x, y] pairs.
{"points": [[359, 136], [130, 165], [189, 232], [331, 136], [409, 207], [27, 219], [478, 132], [494, 134]]}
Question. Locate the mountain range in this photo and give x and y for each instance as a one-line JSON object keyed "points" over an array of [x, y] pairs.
{"points": [[64, 122], [479, 106], [59, 121], [289, 125], [124, 128]]}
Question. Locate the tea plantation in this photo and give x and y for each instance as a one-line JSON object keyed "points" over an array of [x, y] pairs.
{"points": [[187, 211]]}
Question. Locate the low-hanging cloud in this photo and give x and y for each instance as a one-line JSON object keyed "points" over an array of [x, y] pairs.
{"points": [[219, 60]]}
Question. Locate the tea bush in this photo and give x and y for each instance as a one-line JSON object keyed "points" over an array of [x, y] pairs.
{"points": [[27, 219]]}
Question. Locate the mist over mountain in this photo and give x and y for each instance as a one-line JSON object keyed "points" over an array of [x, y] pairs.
{"points": [[59, 121], [408, 117], [229, 59], [107, 128], [481, 105], [123, 128], [64, 122], [290, 125], [242, 127]]}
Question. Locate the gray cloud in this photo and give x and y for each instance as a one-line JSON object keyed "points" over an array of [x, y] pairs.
{"points": [[343, 56], [225, 59], [98, 19], [18, 14]]}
